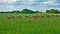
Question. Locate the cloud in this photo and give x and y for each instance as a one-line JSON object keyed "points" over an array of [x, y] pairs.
{"points": [[25, 2], [6, 7], [29, 4], [7, 0], [48, 3]]}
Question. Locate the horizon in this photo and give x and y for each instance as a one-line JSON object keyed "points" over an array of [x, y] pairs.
{"points": [[41, 5]]}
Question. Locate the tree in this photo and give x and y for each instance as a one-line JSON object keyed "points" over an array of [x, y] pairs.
{"points": [[47, 11], [52, 11], [16, 11], [38, 11], [27, 11]]}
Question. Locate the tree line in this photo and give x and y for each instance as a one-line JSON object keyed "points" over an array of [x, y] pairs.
{"points": [[24, 11], [53, 11], [27, 11]]}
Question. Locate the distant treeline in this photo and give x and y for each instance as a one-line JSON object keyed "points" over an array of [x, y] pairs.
{"points": [[27, 11], [24, 11], [53, 11]]}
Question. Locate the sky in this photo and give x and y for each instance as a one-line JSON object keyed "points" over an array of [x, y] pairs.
{"points": [[41, 5]]}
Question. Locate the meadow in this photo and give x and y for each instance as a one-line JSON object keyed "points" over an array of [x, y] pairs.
{"points": [[29, 23]]}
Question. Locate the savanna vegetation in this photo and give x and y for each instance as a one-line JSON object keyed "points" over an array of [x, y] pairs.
{"points": [[53, 11], [30, 22], [27, 11]]}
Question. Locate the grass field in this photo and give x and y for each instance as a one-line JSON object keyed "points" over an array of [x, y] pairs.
{"points": [[45, 25]]}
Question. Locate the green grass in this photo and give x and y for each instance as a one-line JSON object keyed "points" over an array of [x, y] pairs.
{"points": [[46, 25]]}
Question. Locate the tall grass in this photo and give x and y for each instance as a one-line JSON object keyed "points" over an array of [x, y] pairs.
{"points": [[46, 25]]}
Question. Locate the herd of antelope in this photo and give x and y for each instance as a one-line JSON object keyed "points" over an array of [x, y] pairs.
{"points": [[31, 17]]}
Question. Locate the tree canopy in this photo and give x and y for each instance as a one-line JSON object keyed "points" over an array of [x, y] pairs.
{"points": [[52, 11], [27, 11]]}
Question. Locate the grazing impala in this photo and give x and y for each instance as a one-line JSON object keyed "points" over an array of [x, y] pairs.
{"points": [[10, 17], [19, 16], [34, 18], [47, 15]]}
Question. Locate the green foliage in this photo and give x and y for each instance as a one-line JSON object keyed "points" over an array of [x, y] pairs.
{"points": [[27, 11], [17, 11], [25, 26], [6, 12], [38, 11], [52, 11], [24, 11]]}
